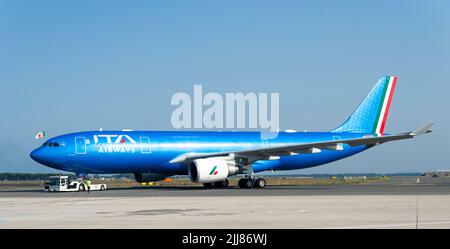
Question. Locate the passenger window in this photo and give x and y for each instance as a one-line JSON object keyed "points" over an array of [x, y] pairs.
{"points": [[50, 144], [55, 144]]}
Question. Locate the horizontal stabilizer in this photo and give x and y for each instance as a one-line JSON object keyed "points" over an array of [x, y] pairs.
{"points": [[422, 130]]}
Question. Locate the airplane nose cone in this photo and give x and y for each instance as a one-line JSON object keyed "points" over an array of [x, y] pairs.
{"points": [[37, 155], [43, 156]]}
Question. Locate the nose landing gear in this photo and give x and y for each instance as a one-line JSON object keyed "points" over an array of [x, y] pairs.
{"points": [[81, 175]]}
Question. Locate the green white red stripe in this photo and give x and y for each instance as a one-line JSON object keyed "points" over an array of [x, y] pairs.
{"points": [[384, 109], [213, 171]]}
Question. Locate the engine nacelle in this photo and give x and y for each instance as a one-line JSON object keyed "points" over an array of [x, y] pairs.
{"points": [[211, 169], [149, 177]]}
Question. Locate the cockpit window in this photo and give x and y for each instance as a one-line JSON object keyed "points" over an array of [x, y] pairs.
{"points": [[50, 144]]}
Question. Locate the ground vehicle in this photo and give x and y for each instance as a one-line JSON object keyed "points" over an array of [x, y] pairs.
{"points": [[62, 184]]}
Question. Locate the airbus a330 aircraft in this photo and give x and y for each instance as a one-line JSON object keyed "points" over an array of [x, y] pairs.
{"points": [[211, 157]]}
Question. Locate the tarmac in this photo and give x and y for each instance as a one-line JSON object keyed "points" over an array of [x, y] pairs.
{"points": [[399, 203]]}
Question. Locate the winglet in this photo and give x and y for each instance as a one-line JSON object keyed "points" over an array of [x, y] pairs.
{"points": [[422, 130]]}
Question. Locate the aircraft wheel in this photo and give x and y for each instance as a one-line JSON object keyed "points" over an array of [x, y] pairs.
{"points": [[260, 183], [102, 188], [223, 184], [246, 183], [81, 188], [208, 184], [241, 183], [249, 183]]}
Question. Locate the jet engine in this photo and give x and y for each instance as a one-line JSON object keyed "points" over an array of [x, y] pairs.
{"points": [[149, 177], [212, 169]]}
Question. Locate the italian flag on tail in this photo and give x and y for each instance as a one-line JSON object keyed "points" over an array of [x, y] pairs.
{"points": [[40, 135], [383, 111], [371, 114]]}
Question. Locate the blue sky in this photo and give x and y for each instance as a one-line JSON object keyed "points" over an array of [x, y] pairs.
{"points": [[80, 65]]}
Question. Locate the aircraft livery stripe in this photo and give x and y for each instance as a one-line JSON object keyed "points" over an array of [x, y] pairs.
{"points": [[213, 169], [392, 84], [377, 119], [385, 106]]}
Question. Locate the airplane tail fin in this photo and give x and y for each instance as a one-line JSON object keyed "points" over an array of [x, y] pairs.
{"points": [[370, 116]]}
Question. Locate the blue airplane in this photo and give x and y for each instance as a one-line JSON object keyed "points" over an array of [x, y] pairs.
{"points": [[210, 157]]}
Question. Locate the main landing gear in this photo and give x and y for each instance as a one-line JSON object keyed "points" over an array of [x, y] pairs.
{"points": [[219, 184], [249, 182]]}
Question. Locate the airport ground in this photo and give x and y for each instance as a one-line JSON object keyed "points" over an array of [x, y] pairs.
{"points": [[396, 202]]}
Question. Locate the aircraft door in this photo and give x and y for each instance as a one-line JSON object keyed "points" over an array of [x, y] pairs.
{"points": [[80, 145], [145, 145]]}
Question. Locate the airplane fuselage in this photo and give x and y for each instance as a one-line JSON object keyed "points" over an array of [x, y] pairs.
{"points": [[108, 152]]}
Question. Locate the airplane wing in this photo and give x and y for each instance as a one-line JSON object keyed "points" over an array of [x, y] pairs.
{"points": [[303, 148]]}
